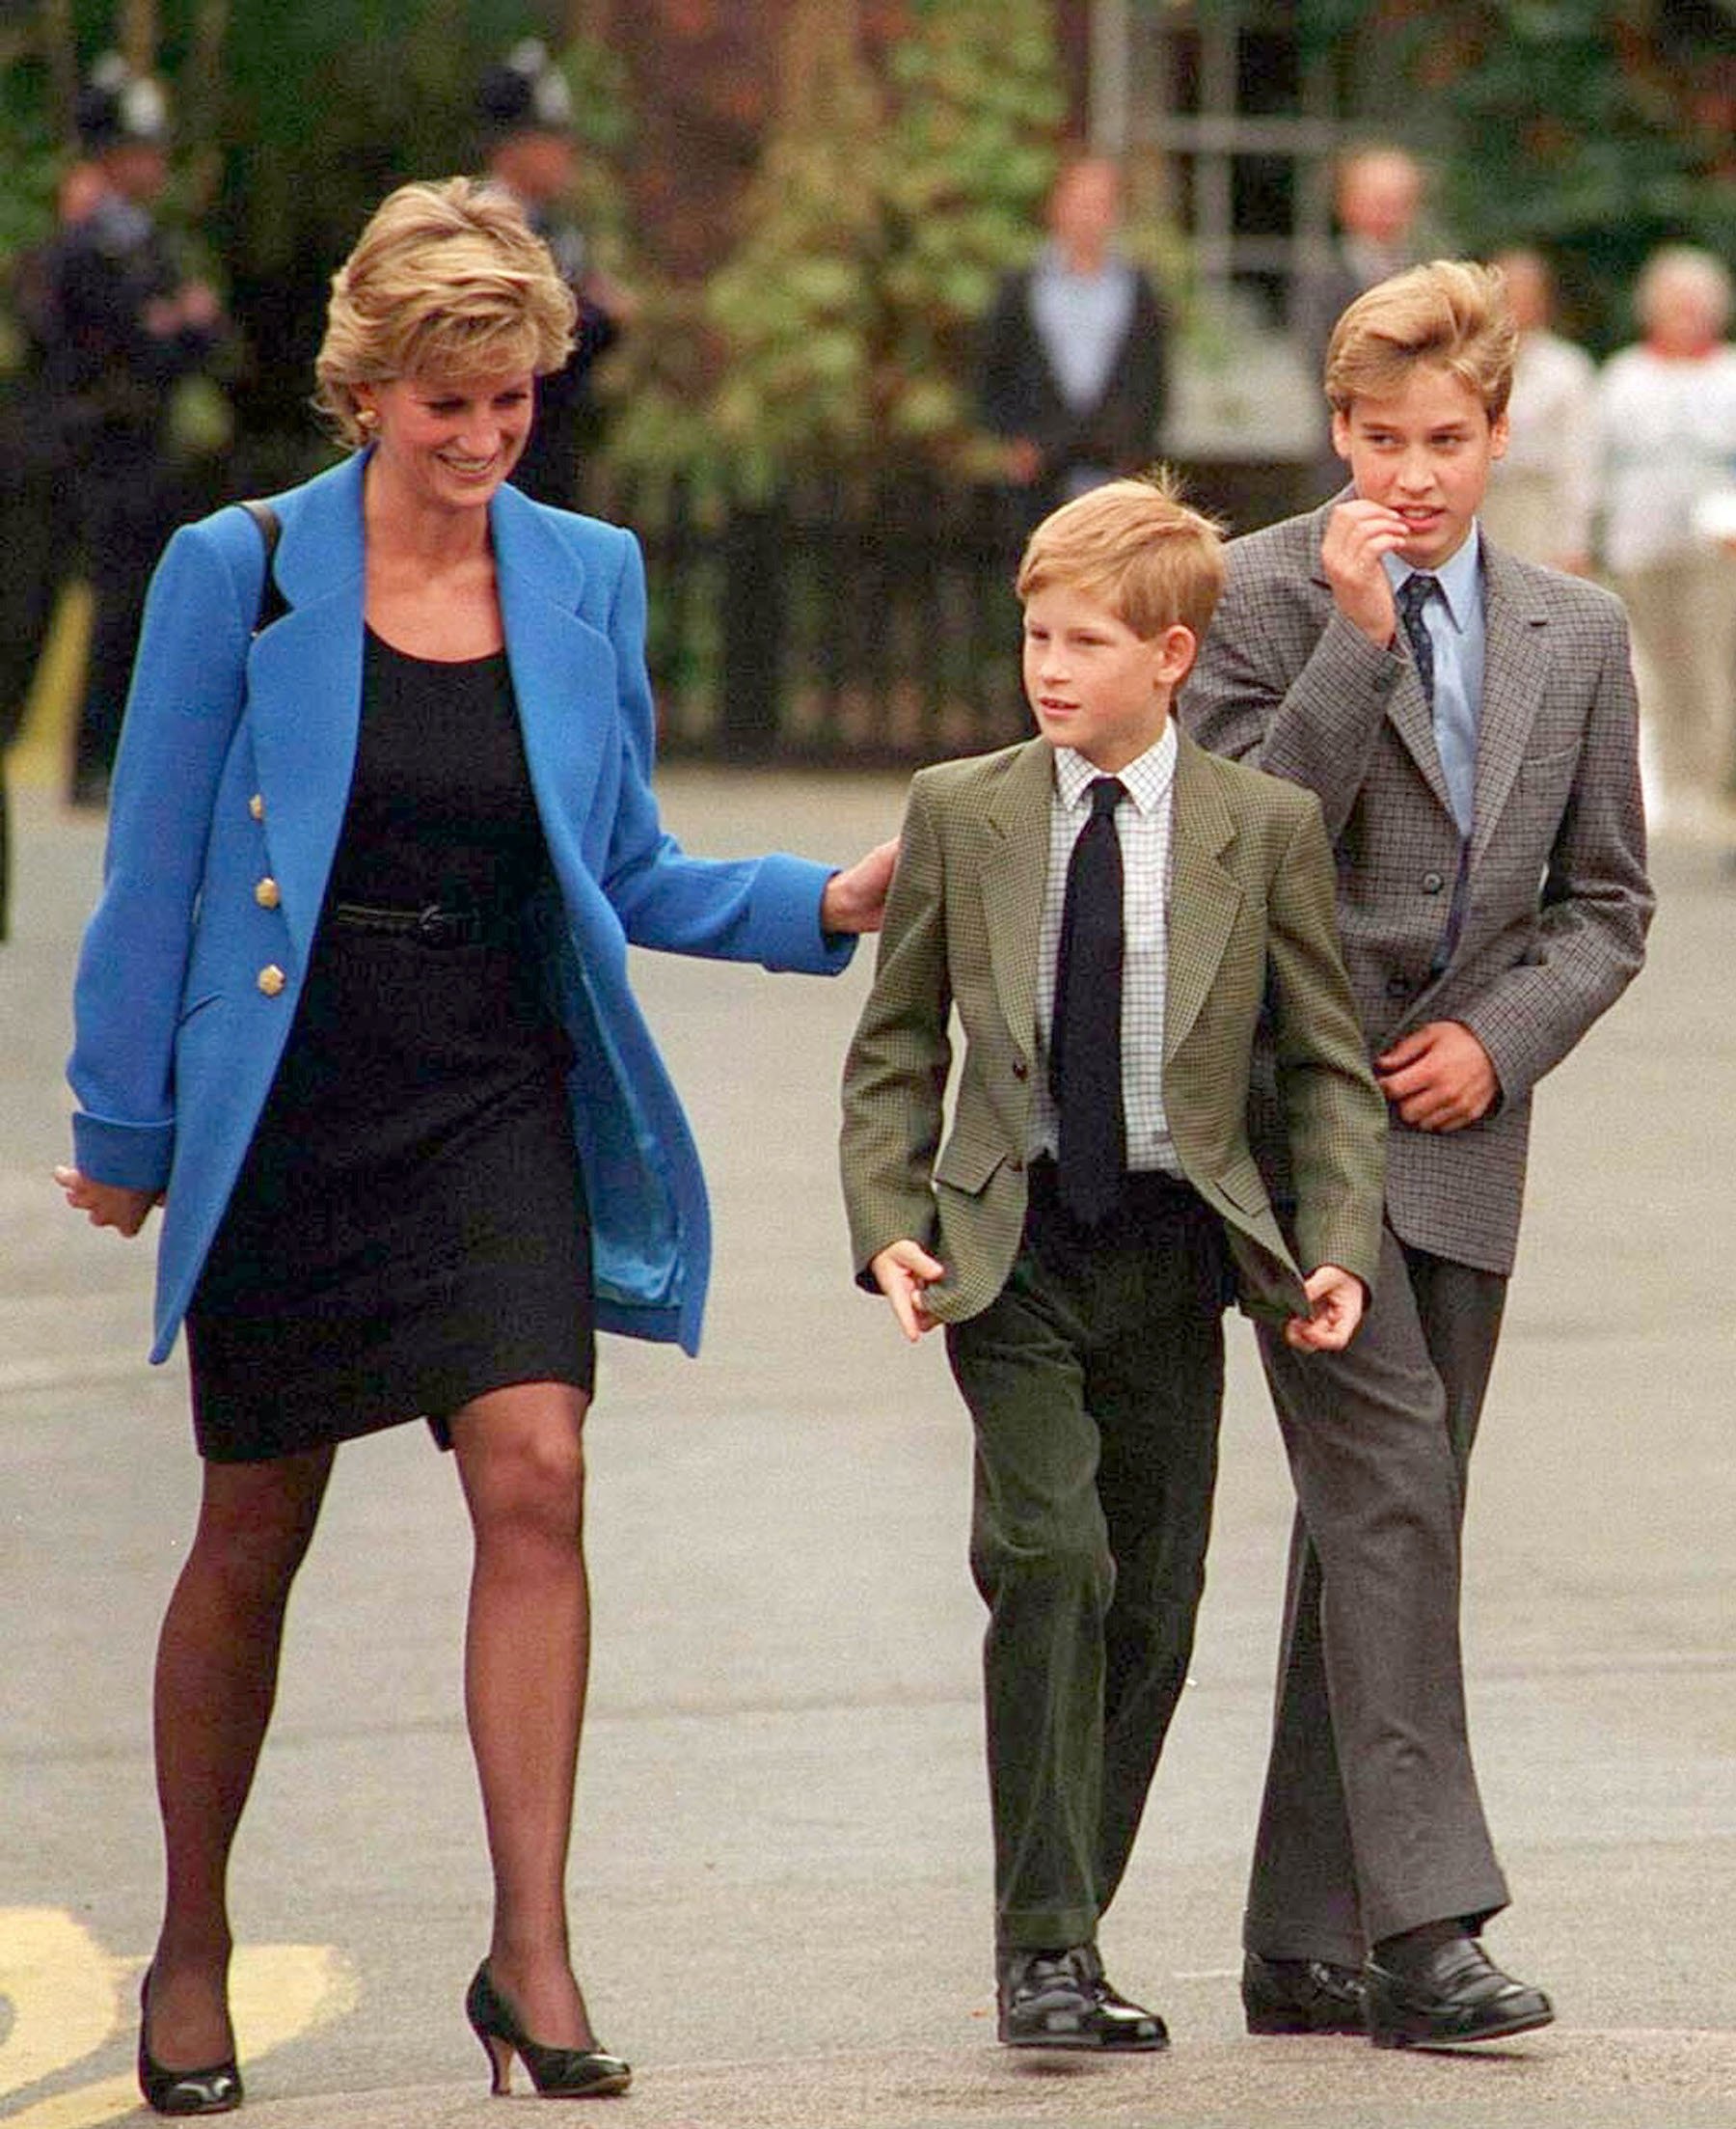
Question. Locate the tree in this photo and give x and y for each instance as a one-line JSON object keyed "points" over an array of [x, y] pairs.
{"points": [[968, 161], [838, 334], [796, 304], [1594, 131]]}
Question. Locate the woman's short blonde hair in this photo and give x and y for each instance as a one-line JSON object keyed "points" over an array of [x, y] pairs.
{"points": [[447, 280], [1136, 547], [1452, 315]]}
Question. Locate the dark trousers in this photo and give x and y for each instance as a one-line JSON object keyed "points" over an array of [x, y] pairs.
{"points": [[1372, 1822], [1094, 1381], [128, 505]]}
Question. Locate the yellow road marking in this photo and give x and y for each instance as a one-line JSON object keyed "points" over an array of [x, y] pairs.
{"points": [[277, 1993], [61, 1986], [39, 753]]}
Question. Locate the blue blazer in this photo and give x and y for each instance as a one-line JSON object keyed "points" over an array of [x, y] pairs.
{"points": [[229, 796]]}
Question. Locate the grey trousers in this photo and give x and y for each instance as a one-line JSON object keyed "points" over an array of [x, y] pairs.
{"points": [[1372, 1822]]}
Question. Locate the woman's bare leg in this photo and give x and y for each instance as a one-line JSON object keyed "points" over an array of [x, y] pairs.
{"points": [[216, 1681], [521, 1461]]}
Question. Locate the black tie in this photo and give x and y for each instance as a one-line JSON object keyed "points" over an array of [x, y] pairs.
{"points": [[1085, 1075], [1414, 594]]}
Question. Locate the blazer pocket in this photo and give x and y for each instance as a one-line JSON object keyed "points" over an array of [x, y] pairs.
{"points": [[1242, 1184], [967, 1165], [1557, 757], [196, 1006]]}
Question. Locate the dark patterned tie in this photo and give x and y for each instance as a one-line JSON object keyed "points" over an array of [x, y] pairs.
{"points": [[1414, 594], [1085, 1074]]}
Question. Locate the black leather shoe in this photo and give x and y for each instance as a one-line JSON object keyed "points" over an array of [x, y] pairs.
{"points": [[1064, 1999], [1301, 1996], [1454, 1995], [214, 2091]]}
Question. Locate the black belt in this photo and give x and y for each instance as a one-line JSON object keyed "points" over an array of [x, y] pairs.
{"points": [[431, 926]]}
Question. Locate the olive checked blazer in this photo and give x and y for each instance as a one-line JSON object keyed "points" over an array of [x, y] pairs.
{"points": [[229, 796], [1557, 901], [1250, 934]]}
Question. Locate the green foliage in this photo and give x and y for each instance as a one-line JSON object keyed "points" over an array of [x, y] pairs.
{"points": [[315, 112], [967, 161], [1578, 126], [1591, 129], [838, 332]]}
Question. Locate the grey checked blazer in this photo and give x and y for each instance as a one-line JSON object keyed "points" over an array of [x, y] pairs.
{"points": [[1558, 901], [1250, 928]]}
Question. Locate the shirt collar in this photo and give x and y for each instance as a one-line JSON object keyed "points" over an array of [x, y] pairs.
{"points": [[1460, 578], [1050, 264], [1147, 779]]}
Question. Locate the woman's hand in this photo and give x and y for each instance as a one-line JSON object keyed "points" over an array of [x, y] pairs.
{"points": [[108, 1204], [855, 899]]}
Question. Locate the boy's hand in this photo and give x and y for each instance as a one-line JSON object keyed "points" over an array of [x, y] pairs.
{"points": [[902, 1271], [107, 1204], [1358, 534], [855, 899], [1337, 1300], [1438, 1077]]}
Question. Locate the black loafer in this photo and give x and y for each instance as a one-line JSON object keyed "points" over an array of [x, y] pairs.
{"points": [[1301, 1996], [1453, 1996], [1064, 1999]]}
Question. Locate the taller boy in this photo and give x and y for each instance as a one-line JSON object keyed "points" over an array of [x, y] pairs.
{"points": [[1468, 723]]}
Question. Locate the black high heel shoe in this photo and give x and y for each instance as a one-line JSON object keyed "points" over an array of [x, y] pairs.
{"points": [[557, 2073], [216, 2090]]}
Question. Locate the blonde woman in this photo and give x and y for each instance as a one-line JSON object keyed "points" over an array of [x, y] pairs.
{"points": [[354, 1009]]}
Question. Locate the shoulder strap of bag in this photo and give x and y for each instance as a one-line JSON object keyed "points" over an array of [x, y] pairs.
{"points": [[273, 605]]}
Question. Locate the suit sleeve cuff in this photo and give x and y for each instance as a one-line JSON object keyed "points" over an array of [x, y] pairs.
{"points": [[787, 897], [131, 1157]]}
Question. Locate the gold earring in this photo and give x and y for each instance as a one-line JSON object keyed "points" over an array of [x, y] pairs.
{"points": [[367, 417]]}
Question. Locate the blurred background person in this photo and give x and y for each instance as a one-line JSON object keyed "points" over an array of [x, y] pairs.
{"points": [[1667, 408], [124, 326], [526, 111], [1377, 199], [1541, 495], [38, 521], [1074, 355]]}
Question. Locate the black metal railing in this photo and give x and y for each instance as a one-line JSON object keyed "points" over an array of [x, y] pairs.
{"points": [[836, 623], [845, 622]]}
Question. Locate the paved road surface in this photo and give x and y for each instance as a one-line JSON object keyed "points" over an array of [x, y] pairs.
{"points": [[780, 1873]]}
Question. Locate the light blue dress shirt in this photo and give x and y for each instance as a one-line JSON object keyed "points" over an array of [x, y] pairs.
{"points": [[1081, 320], [1454, 621]]}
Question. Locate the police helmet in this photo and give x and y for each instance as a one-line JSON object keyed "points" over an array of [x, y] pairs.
{"points": [[118, 108], [525, 92]]}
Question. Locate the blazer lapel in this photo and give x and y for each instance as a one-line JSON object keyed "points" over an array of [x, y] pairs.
{"points": [[303, 685], [1515, 670], [305, 679], [1204, 900], [1014, 876], [563, 668]]}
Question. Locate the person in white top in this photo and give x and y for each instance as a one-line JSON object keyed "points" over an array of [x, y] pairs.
{"points": [[1668, 439], [1541, 495]]}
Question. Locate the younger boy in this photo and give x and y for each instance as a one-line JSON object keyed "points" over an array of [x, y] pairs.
{"points": [[1107, 908]]}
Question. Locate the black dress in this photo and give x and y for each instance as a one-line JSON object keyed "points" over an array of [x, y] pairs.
{"points": [[408, 1229]]}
